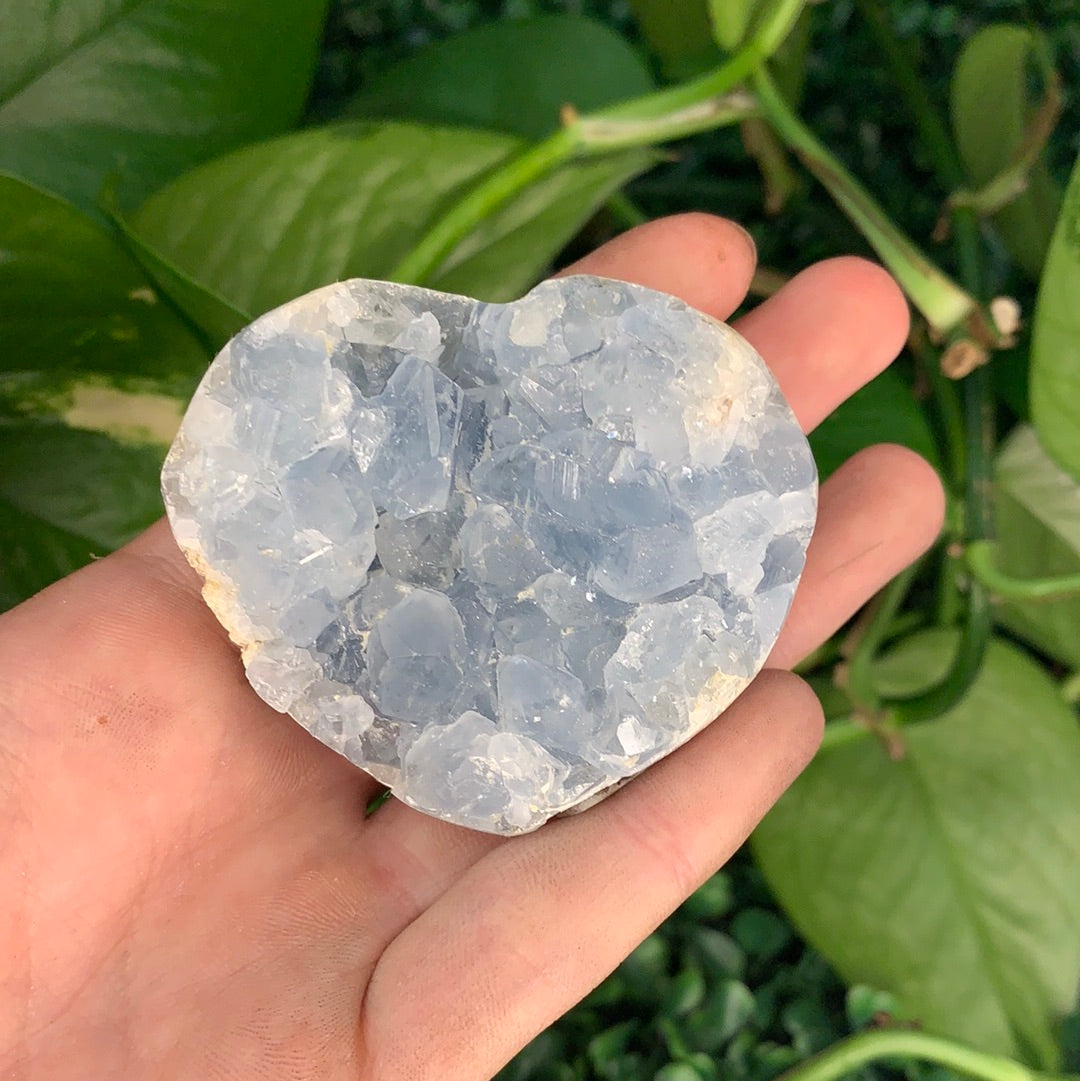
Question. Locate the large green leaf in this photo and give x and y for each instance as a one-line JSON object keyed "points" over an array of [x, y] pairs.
{"points": [[29, 567], [145, 88], [950, 877], [883, 411], [509, 76], [991, 109], [67, 495], [1037, 510], [264, 224], [214, 317], [1055, 345], [88, 352], [62, 466], [71, 298]]}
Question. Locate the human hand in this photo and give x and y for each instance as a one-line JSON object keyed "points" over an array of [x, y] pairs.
{"points": [[188, 885]]}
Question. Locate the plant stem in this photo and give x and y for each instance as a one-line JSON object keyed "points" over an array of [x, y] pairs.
{"points": [[852, 1054], [981, 563], [942, 302], [481, 201], [978, 525], [604, 132], [977, 623], [979, 424], [942, 696], [583, 137], [950, 414], [951, 601], [696, 106], [860, 684]]}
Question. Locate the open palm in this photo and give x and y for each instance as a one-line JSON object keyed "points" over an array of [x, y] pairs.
{"points": [[188, 885]]}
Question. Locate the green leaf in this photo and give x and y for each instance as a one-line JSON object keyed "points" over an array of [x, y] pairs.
{"points": [[1037, 515], [269, 222], [1070, 1041], [686, 992], [132, 409], [706, 1067], [770, 1060], [34, 554], [145, 88], [71, 298], [538, 1059], [52, 472], [610, 1044], [950, 877], [214, 317], [680, 35], [644, 972], [883, 411], [1055, 345], [808, 1025], [991, 109], [728, 1008], [761, 933], [677, 1071], [94, 370], [509, 76], [710, 901], [67, 495], [720, 953]]}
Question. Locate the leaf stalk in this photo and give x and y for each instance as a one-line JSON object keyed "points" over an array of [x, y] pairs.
{"points": [[860, 683], [850, 1055], [981, 562]]}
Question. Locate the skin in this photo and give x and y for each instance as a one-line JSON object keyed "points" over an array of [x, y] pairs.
{"points": [[188, 886]]}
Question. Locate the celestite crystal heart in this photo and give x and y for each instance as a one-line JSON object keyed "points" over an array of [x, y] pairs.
{"points": [[501, 556]]}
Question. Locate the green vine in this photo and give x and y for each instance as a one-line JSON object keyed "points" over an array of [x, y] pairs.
{"points": [[852, 1054], [981, 562], [875, 633]]}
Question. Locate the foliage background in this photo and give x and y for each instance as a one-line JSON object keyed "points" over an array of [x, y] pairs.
{"points": [[940, 890]]}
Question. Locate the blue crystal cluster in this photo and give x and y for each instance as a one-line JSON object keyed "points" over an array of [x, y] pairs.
{"points": [[500, 556]]}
